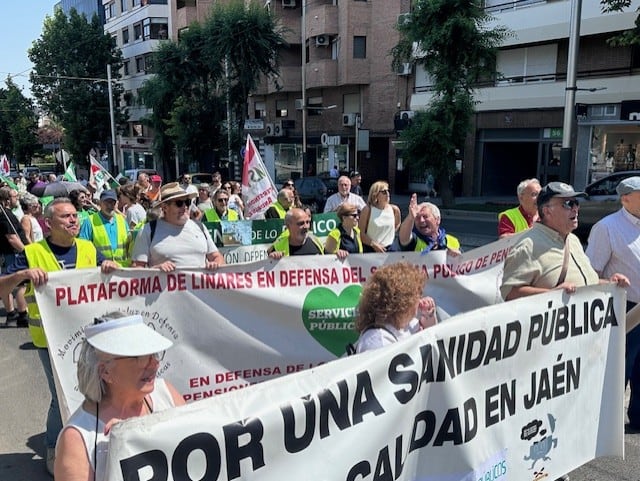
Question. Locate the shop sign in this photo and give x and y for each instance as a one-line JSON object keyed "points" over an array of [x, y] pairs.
{"points": [[630, 110], [552, 133], [253, 124], [326, 139]]}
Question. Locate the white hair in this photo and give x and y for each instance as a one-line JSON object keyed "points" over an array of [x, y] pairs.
{"points": [[524, 184]]}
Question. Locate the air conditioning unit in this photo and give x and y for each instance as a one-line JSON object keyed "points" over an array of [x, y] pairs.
{"points": [[405, 69], [322, 40], [278, 130], [407, 114], [289, 3], [299, 104], [269, 130], [349, 120]]}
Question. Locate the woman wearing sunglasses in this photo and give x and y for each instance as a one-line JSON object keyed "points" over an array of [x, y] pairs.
{"points": [[117, 369], [345, 239], [379, 220]]}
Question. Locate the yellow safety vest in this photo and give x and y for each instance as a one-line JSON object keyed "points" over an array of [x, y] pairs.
{"points": [[39, 255], [516, 218], [335, 234], [278, 207], [452, 243], [102, 242], [212, 215], [281, 244]]}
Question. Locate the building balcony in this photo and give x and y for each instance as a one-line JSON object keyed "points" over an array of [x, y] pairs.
{"points": [[322, 73], [322, 20], [185, 16], [290, 80]]}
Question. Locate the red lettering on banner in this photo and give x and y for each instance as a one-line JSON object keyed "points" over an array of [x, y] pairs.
{"points": [[352, 274], [221, 280], [199, 381], [499, 256], [228, 376], [85, 293], [266, 279], [309, 277]]}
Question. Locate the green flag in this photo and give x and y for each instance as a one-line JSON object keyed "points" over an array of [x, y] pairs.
{"points": [[9, 182], [70, 173]]}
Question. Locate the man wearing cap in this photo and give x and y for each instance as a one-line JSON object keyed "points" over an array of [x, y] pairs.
{"points": [[518, 219], [280, 207], [175, 240], [107, 229], [356, 180], [221, 209], [548, 256], [153, 191], [614, 246], [344, 194], [60, 250], [296, 240]]}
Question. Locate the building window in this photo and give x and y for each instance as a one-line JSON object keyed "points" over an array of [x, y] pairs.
{"points": [[185, 3], [140, 64], [135, 3], [157, 2], [260, 110], [125, 35], [123, 5], [138, 130], [125, 67], [137, 31], [154, 28], [109, 11], [359, 47], [281, 108], [148, 62], [528, 64]]}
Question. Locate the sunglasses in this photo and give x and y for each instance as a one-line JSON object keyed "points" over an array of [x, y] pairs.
{"points": [[355, 215], [570, 204], [180, 203], [384, 191], [143, 361], [225, 200]]}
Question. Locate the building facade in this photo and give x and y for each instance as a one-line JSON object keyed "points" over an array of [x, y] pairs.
{"points": [[86, 7], [518, 127]]}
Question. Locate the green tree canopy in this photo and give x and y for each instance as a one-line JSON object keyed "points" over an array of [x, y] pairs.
{"points": [[629, 37], [450, 38], [18, 124], [69, 78]]}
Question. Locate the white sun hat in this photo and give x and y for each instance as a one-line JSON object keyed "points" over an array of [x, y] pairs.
{"points": [[125, 336]]}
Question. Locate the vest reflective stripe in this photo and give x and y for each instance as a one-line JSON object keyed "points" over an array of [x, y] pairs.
{"points": [[101, 238], [212, 215], [281, 244], [335, 234], [40, 255], [278, 207], [516, 218], [452, 243]]}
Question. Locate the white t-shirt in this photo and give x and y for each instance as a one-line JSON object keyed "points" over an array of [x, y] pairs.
{"points": [[375, 338], [185, 246], [382, 225], [135, 214]]}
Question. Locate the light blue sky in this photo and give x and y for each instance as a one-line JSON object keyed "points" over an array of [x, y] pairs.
{"points": [[22, 22]]}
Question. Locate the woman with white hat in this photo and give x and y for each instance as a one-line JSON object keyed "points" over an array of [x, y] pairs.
{"points": [[117, 369]]}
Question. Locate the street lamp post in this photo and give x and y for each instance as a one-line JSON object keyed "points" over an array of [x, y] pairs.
{"points": [[113, 122], [304, 86]]}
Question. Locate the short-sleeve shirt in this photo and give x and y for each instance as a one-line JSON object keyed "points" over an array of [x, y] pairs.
{"points": [[9, 225], [185, 245]]}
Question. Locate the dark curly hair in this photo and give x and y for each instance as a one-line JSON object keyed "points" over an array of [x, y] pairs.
{"points": [[391, 295]]}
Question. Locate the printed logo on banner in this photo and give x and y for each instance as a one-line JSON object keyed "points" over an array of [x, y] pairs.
{"points": [[543, 442], [330, 318]]}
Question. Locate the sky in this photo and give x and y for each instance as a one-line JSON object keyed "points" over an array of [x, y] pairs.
{"points": [[22, 22]]}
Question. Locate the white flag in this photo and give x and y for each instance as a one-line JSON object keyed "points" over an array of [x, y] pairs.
{"points": [[258, 190], [98, 175], [5, 167]]}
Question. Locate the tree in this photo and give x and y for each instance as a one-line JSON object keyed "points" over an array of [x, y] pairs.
{"points": [[451, 40], [18, 124], [189, 90], [629, 37], [69, 78]]}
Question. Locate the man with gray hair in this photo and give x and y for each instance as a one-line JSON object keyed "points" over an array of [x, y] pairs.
{"points": [[521, 218], [614, 247], [280, 207], [420, 231]]}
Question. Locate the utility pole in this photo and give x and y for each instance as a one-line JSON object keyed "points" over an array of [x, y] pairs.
{"points": [[304, 86], [116, 163]]}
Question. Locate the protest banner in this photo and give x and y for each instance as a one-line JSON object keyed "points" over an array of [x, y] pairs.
{"points": [[524, 390], [247, 323]]}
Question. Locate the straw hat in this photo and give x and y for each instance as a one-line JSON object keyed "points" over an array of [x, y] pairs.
{"points": [[173, 191]]}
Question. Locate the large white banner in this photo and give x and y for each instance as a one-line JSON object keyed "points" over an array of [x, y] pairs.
{"points": [[524, 390], [247, 323]]}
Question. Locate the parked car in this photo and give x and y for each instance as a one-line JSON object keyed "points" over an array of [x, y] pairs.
{"points": [[201, 178], [315, 190], [132, 174], [602, 200]]}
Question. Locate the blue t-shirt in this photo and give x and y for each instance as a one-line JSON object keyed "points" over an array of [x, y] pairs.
{"points": [[110, 225], [66, 257]]}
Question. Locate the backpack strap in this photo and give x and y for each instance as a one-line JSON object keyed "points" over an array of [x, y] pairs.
{"points": [[152, 225], [351, 347]]}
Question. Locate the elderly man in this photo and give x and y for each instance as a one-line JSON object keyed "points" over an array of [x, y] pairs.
{"points": [[520, 218], [60, 250], [280, 207], [296, 240], [107, 229], [548, 256], [143, 182], [175, 240], [153, 191], [221, 209], [343, 195], [420, 230], [614, 246], [356, 180]]}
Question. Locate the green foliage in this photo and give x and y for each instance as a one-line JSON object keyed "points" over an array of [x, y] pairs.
{"points": [[18, 124], [226, 53], [451, 40], [69, 78], [628, 37]]}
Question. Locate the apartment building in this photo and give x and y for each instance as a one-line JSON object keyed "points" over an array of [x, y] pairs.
{"points": [[518, 126]]}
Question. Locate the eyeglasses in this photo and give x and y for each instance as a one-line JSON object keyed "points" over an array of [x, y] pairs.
{"points": [[355, 215], [180, 203], [303, 223], [289, 184], [221, 200], [187, 178], [143, 361], [384, 191], [570, 204]]}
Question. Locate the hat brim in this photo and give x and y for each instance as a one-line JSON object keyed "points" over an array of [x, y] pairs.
{"points": [[190, 195], [126, 337]]}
